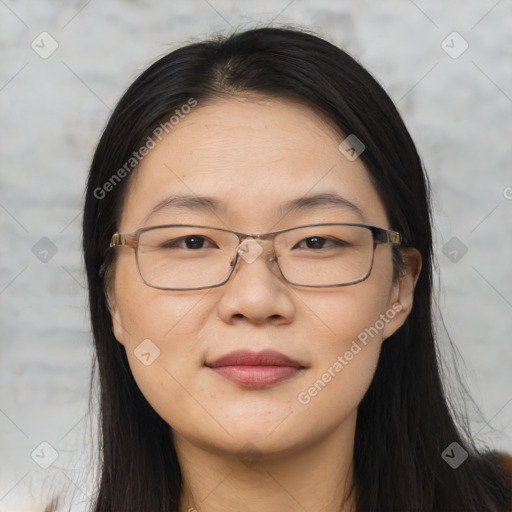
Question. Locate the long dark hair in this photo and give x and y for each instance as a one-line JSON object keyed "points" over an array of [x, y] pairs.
{"points": [[404, 421]]}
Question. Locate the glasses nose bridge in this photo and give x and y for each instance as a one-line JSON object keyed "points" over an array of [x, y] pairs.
{"points": [[257, 238]]}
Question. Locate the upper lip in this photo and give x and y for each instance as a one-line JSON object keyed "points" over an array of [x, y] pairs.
{"points": [[248, 358]]}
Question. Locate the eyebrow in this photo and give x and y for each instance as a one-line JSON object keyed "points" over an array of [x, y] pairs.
{"points": [[302, 204], [323, 200], [186, 202]]}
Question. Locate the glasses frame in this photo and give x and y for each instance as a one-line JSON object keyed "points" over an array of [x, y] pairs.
{"points": [[379, 235]]}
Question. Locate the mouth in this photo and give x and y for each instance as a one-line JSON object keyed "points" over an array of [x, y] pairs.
{"points": [[256, 369]]}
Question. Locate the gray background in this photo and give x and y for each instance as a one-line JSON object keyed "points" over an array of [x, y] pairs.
{"points": [[53, 110]]}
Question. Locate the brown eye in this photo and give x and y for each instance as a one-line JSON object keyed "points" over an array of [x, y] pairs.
{"points": [[319, 242], [188, 242]]}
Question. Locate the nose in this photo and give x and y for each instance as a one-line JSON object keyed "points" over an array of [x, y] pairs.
{"points": [[256, 291]]}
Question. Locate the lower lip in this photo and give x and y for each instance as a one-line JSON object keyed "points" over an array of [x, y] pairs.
{"points": [[257, 376]]}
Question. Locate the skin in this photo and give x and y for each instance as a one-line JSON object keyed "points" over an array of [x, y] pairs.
{"points": [[254, 154]]}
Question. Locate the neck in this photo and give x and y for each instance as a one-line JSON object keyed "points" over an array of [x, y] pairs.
{"points": [[315, 477]]}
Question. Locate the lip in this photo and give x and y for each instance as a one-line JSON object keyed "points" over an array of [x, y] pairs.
{"points": [[255, 369]]}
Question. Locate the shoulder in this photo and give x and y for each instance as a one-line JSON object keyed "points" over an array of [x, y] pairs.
{"points": [[506, 463]]}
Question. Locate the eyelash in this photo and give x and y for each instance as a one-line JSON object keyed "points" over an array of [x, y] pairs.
{"points": [[174, 243]]}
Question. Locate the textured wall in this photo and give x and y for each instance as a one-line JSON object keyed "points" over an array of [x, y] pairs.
{"points": [[456, 101]]}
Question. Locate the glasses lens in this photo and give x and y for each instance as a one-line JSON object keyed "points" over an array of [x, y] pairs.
{"points": [[325, 255], [193, 257], [185, 257]]}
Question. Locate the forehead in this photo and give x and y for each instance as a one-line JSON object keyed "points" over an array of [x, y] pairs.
{"points": [[252, 156]]}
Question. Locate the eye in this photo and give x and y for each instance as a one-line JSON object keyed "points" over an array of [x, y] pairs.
{"points": [[188, 242], [318, 242]]}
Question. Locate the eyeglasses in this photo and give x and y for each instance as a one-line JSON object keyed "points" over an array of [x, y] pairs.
{"points": [[190, 257]]}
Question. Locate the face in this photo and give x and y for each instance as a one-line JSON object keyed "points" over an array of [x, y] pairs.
{"points": [[253, 157]]}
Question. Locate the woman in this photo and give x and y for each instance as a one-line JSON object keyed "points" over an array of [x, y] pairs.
{"points": [[258, 249]]}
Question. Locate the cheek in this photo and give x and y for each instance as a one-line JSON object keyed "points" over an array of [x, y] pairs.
{"points": [[165, 356], [147, 312], [159, 334], [346, 331], [347, 340]]}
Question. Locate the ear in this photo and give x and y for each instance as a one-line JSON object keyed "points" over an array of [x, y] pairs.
{"points": [[402, 297], [117, 326]]}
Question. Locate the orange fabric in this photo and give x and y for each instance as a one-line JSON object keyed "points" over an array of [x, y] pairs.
{"points": [[506, 463]]}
